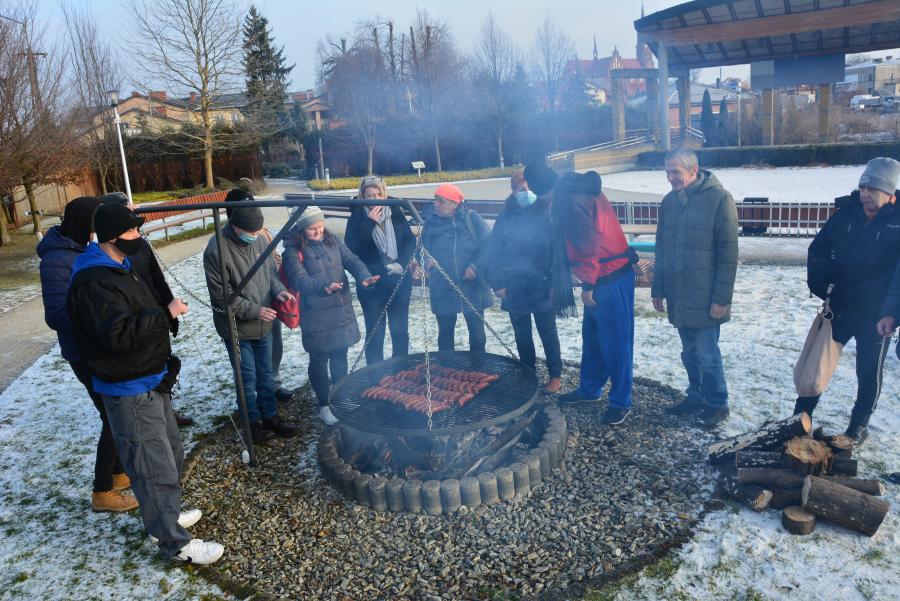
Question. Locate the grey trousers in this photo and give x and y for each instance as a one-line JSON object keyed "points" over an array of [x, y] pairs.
{"points": [[151, 452]]}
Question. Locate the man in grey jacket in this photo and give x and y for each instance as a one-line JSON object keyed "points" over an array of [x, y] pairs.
{"points": [[696, 264], [253, 315]]}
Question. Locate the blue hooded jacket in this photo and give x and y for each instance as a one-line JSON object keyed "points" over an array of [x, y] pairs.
{"points": [[94, 256], [58, 254]]}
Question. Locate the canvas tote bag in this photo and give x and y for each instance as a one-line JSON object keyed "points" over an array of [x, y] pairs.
{"points": [[820, 354]]}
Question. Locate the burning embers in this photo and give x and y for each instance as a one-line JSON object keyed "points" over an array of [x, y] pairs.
{"points": [[449, 387]]}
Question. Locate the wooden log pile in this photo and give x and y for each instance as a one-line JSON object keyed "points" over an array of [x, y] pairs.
{"points": [[807, 474]]}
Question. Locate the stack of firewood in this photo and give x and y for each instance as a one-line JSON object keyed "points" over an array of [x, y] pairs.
{"points": [[807, 474]]}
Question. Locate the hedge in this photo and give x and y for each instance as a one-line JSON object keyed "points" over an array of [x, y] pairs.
{"points": [[431, 177], [798, 155]]}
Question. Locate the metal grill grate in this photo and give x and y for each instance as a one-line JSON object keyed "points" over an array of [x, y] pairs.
{"points": [[508, 397]]}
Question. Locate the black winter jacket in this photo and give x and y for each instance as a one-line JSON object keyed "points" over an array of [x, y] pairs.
{"points": [[450, 241], [328, 320], [358, 238], [857, 256], [520, 256], [122, 331]]}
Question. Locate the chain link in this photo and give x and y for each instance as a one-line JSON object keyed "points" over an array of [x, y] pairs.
{"points": [[464, 298]]}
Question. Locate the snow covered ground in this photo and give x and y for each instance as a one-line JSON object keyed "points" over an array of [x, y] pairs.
{"points": [[53, 547], [779, 184]]}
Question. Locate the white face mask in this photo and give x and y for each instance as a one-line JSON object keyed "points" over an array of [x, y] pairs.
{"points": [[93, 237]]}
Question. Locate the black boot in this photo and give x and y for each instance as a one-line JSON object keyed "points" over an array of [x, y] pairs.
{"points": [[280, 428], [259, 434], [806, 404], [858, 433]]}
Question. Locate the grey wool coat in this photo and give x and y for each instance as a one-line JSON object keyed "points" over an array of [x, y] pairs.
{"points": [[259, 292], [327, 321], [696, 252]]}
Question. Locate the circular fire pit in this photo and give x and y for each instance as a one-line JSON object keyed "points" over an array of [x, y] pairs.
{"points": [[495, 447]]}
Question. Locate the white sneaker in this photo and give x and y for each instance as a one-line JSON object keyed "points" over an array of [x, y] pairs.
{"points": [[186, 519], [199, 552], [327, 416]]}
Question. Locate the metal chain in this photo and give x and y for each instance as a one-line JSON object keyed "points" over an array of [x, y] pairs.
{"points": [[479, 313], [187, 290], [429, 413], [383, 315]]}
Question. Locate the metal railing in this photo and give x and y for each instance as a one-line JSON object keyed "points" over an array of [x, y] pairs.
{"points": [[633, 137]]}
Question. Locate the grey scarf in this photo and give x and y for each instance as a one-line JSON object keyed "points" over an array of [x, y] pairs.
{"points": [[383, 235]]}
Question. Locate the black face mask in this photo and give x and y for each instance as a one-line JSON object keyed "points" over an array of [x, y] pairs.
{"points": [[129, 247]]}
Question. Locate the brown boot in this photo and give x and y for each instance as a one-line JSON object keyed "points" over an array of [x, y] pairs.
{"points": [[121, 481], [113, 501]]}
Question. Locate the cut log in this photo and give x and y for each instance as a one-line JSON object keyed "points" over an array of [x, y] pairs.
{"points": [[807, 456], [844, 467], [845, 506], [757, 497], [771, 459], [770, 437], [848, 454], [769, 478], [797, 521], [840, 442], [870, 487], [784, 497]]}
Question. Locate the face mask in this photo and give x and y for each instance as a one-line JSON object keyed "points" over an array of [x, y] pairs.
{"points": [[129, 247], [93, 238], [248, 238], [526, 197]]}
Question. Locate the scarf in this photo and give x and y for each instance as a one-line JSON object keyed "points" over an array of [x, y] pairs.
{"points": [[383, 235], [561, 276]]}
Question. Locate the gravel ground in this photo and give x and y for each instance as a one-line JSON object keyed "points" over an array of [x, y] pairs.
{"points": [[620, 498]]}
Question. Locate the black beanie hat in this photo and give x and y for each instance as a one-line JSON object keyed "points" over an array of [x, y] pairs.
{"points": [[114, 198], [235, 195], [113, 220], [77, 223], [540, 178], [249, 219]]}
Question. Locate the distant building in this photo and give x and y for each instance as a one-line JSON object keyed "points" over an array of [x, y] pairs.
{"points": [[878, 76], [697, 91], [596, 71], [318, 111]]}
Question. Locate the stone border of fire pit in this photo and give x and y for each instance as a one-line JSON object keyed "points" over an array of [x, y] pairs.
{"points": [[435, 497]]}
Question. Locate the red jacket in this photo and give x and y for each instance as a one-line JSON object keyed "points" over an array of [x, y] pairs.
{"points": [[593, 235]]}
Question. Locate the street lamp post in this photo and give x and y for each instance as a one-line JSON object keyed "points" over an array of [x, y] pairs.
{"points": [[113, 97]]}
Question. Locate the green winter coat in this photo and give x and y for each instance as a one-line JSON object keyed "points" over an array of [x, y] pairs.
{"points": [[696, 252]]}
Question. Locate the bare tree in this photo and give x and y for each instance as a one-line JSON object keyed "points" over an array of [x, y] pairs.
{"points": [[94, 70], [191, 46], [38, 133], [358, 88], [551, 52], [435, 74], [495, 68]]}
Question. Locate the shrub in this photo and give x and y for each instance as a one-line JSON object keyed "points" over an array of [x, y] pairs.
{"points": [[432, 177], [796, 155]]}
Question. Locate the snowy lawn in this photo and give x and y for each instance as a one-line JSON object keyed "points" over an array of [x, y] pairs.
{"points": [[53, 547], [779, 184]]}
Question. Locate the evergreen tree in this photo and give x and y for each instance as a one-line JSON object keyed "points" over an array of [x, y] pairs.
{"points": [[265, 68], [708, 120], [723, 137]]}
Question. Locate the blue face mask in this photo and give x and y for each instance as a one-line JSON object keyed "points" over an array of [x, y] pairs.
{"points": [[248, 238], [526, 197]]}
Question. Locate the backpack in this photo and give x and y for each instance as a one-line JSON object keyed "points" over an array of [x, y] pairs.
{"points": [[288, 311]]}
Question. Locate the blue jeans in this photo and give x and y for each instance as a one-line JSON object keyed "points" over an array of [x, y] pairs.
{"points": [[607, 346], [703, 363], [256, 371]]}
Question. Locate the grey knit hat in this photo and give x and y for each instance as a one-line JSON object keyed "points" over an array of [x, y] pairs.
{"points": [[882, 174], [311, 215], [249, 219]]}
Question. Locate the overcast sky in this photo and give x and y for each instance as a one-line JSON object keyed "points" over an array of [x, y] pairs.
{"points": [[299, 25]]}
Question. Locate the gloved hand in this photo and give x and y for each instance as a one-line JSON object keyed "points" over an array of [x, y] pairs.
{"points": [[394, 269], [173, 327]]}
